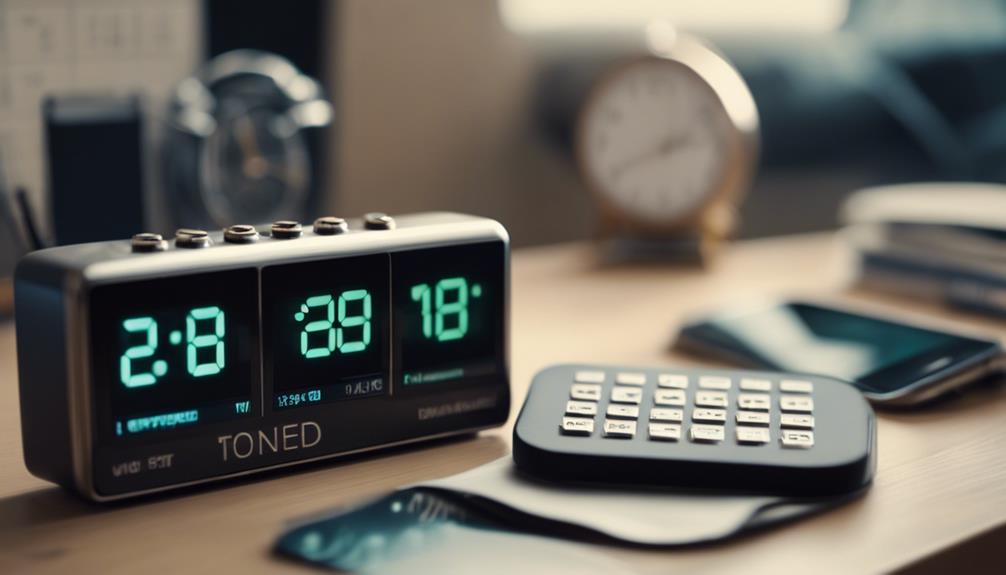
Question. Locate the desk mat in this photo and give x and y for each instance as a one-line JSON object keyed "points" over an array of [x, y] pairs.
{"points": [[491, 514]]}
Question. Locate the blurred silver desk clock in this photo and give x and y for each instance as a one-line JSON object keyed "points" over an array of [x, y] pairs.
{"points": [[243, 142]]}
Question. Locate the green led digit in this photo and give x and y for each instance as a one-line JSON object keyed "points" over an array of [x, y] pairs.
{"points": [[354, 320], [194, 342], [421, 293], [318, 325], [459, 307], [158, 367]]}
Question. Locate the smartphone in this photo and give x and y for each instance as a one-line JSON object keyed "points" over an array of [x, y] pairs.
{"points": [[891, 362]]}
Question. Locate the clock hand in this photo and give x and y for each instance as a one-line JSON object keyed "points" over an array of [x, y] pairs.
{"points": [[255, 165], [665, 148], [246, 137]]}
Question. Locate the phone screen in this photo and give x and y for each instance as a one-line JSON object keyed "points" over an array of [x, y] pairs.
{"points": [[877, 354]]}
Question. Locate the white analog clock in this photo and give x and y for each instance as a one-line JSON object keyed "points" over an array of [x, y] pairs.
{"points": [[666, 141]]}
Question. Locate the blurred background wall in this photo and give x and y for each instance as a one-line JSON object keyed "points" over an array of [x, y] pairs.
{"points": [[438, 103], [435, 102]]}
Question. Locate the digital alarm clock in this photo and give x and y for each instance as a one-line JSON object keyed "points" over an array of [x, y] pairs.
{"points": [[146, 365]]}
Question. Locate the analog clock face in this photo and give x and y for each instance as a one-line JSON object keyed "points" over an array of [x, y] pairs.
{"points": [[255, 165], [655, 140]]}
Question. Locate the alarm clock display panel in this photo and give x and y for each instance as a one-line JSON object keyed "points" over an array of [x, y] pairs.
{"points": [[448, 324], [174, 353], [326, 330]]}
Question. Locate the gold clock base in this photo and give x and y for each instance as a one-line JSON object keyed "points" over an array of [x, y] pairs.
{"points": [[621, 241], [695, 250]]}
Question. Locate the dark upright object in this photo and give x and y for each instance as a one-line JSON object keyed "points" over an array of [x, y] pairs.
{"points": [[95, 167], [292, 30]]}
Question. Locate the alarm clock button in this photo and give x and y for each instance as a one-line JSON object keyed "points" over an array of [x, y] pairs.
{"points": [[285, 230], [330, 226], [378, 221], [148, 242], [241, 234], [189, 238]]}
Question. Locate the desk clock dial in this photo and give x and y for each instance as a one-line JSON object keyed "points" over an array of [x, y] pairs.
{"points": [[656, 140]]}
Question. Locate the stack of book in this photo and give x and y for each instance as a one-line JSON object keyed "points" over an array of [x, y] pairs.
{"points": [[943, 242]]}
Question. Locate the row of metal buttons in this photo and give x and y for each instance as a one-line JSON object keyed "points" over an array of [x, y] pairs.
{"points": [[246, 234]]}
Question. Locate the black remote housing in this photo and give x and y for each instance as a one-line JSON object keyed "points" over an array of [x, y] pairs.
{"points": [[841, 460]]}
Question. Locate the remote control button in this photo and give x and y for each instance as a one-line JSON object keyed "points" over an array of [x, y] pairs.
{"points": [[754, 401], [711, 399], [752, 435], [753, 418], [672, 380], [665, 432], [619, 429], [148, 242], [623, 411], [192, 239], [630, 378], [714, 382], [666, 414], [669, 397], [707, 415], [798, 439], [626, 395], [795, 386], [241, 234], [585, 392], [796, 421], [378, 221], [797, 403], [589, 377], [577, 426], [751, 384], [581, 408], [706, 433], [286, 230], [330, 226]]}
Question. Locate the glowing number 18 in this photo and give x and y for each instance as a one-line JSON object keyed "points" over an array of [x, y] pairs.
{"points": [[433, 320]]}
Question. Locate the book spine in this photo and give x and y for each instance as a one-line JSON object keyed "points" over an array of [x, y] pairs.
{"points": [[953, 286]]}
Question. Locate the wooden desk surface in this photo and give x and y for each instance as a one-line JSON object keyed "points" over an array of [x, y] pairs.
{"points": [[941, 478]]}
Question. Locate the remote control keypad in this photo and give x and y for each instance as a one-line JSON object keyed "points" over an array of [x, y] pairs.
{"points": [[714, 382], [672, 409]]}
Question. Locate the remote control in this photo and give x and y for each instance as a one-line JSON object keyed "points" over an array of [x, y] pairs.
{"points": [[739, 431]]}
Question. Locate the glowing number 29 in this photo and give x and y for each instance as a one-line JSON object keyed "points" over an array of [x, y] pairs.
{"points": [[336, 336]]}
